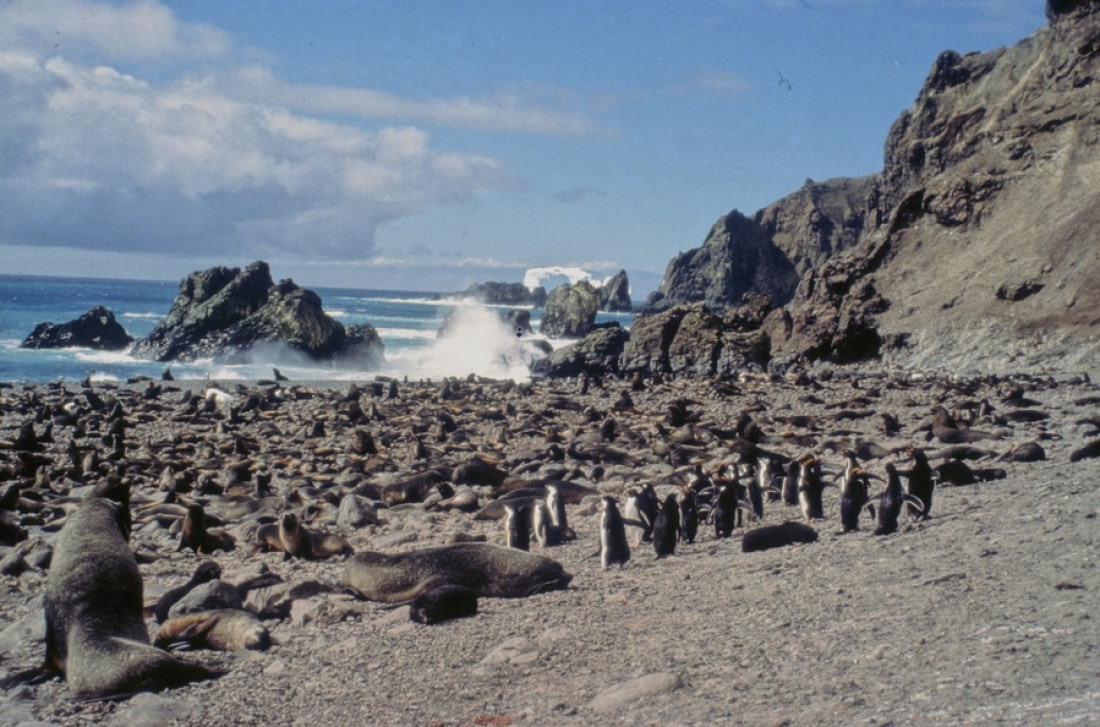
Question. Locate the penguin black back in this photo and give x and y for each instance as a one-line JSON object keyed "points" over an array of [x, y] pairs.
{"points": [[689, 516], [666, 528], [921, 483], [613, 545], [889, 504], [724, 511]]}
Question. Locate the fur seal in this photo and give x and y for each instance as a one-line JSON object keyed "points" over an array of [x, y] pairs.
{"points": [[443, 603], [207, 571], [613, 545], [95, 633], [223, 629], [777, 536], [194, 535], [488, 570], [295, 541]]}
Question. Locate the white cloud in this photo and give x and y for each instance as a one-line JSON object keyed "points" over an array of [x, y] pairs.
{"points": [[502, 112], [142, 30], [102, 147], [97, 158]]}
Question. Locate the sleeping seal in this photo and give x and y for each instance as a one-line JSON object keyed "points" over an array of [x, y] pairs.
{"points": [[222, 629], [487, 570], [95, 633]]}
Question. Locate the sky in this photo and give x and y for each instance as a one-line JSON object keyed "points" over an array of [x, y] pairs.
{"points": [[416, 145]]}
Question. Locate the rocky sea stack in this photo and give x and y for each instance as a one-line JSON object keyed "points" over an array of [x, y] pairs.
{"points": [[228, 314], [96, 329], [974, 247]]}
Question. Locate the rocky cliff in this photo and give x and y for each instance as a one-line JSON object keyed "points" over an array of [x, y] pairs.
{"points": [[977, 244], [227, 313]]}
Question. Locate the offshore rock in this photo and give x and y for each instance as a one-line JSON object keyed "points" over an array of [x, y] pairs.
{"points": [[229, 314], [493, 293], [96, 329], [615, 294], [570, 310]]}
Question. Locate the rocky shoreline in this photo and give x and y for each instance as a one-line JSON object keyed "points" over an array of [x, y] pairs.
{"points": [[980, 614]]}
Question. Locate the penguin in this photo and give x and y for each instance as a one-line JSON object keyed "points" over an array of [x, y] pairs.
{"points": [[634, 520], [921, 483], [517, 526], [555, 503], [689, 515], [810, 489], [790, 483], [613, 546], [725, 509], [666, 528], [890, 502], [545, 532], [853, 498], [765, 473], [648, 505], [756, 496]]}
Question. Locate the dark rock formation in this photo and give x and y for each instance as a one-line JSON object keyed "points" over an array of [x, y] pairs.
{"points": [[737, 257], [984, 198], [691, 339], [570, 311], [597, 354], [504, 294], [96, 329], [615, 294], [228, 314]]}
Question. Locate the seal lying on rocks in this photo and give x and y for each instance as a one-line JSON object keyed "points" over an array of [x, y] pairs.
{"points": [[223, 629], [95, 633], [488, 570]]}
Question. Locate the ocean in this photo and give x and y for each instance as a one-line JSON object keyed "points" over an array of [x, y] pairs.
{"points": [[477, 341]]}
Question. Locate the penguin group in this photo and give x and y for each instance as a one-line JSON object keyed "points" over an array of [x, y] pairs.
{"points": [[729, 498]]}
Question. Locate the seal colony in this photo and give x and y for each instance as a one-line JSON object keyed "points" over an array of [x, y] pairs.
{"points": [[356, 487]]}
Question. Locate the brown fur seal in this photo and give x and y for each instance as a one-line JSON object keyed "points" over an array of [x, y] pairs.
{"points": [[488, 570], [443, 603], [194, 535], [223, 629], [95, 634], [777, 536], [293, 539]]}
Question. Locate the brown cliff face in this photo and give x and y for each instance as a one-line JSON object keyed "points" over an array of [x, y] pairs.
{"points": [[978, 245]]}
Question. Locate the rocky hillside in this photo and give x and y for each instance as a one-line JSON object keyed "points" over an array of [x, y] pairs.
{"points": [[976, 246]]}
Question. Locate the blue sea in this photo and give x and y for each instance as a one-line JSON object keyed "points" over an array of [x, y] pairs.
{"points": [[477, 341]]}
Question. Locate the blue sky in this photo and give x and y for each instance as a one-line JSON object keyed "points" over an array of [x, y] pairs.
{"points": [[430, 145]]}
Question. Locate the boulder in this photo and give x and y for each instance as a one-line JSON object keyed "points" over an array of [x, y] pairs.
{"points": [[691, 339], [597, 354], [615, 294], [228, 314], [570, 310], [96, 329]]}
